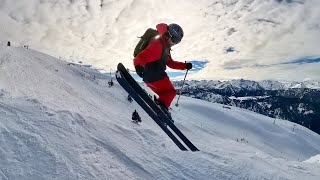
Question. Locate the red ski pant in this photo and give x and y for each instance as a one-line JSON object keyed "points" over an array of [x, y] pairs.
{"points": [[164, 89]]}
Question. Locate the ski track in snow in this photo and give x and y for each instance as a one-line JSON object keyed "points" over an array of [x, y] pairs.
{"points": [[62, 121]]}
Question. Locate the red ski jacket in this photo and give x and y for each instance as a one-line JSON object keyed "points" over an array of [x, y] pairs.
{"points": [[154, 61]]}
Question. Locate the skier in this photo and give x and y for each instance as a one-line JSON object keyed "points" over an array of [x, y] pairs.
{"points": [[110, 83], [150, 64], [135, 117], [129, 98]]}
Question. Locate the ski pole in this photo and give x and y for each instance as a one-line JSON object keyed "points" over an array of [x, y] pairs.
{"points": [[177, 104]]}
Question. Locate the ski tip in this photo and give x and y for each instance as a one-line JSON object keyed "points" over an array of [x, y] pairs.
{"points": [[120, 66], [118, 74]]}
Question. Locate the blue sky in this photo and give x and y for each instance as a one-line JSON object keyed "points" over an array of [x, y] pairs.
{"points": [[197, 65], [306, 60], [301, 61]]}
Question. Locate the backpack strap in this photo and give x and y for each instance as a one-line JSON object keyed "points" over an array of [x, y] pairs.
{"points": [[163, 47]]}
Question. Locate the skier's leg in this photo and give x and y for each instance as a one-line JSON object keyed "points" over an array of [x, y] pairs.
{"points": [[165, 90]]}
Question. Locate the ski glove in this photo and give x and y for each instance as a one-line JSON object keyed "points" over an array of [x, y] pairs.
{"points": [[188, 66], [139, 70]]}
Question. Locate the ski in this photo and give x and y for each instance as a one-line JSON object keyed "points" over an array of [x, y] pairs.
{"points": [[122, 81], [151, 104]]}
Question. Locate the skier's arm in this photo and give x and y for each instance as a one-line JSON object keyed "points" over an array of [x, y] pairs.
{"points": [[175, 64]]}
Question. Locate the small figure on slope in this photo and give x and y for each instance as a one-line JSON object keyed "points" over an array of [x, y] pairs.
{"points": [[135, 117], [129, 98], [110, 83]]}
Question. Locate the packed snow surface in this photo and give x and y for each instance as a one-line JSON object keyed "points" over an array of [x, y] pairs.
{"points": [[62, 121]]}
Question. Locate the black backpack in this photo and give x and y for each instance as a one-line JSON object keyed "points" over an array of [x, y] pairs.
{"points": [[145, 39]]}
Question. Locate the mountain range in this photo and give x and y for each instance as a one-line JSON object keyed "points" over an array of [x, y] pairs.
{"points": [[298, 102]]}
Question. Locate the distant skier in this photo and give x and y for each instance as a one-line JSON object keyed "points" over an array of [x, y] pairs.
{"points": [[129, 98], [150, 64], [135, 117], [8, 44], [110, 83]]}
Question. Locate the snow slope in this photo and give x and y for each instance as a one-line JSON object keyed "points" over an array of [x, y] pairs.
{"points": [[62, 121]]}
